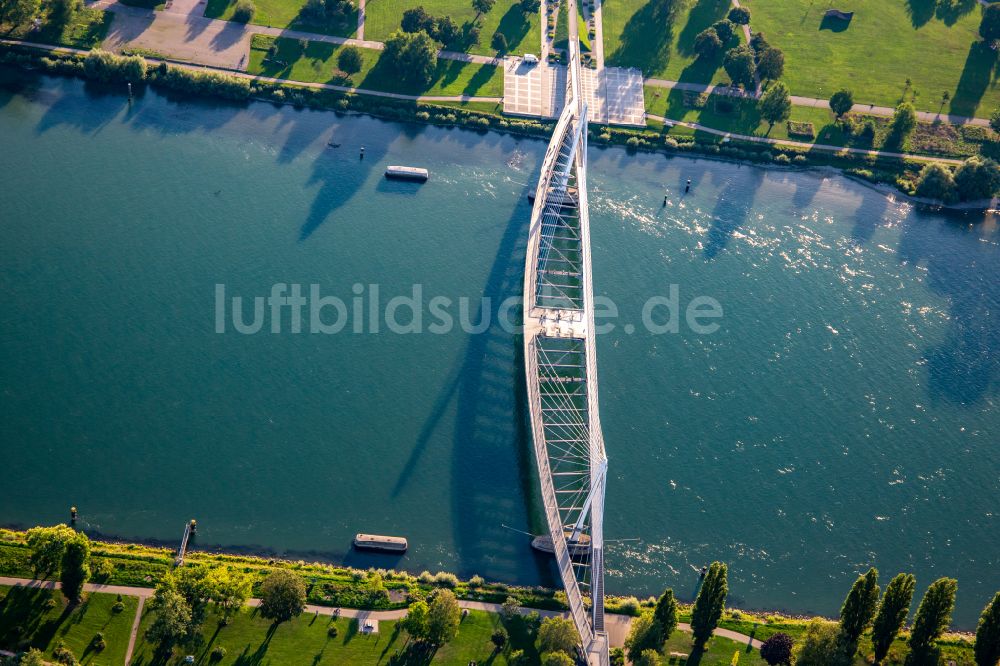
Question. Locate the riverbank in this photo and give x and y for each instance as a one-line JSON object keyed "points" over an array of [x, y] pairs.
{"points": [[898, 170]]}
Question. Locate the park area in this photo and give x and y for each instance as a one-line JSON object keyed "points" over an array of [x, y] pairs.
{"points": [[286, 14], [316, 62], [657, 36], [85, 29], [934, 44], [521, 30], [41, 618]]}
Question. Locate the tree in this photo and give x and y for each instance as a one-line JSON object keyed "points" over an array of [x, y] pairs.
{"points": [[415, 622], [643, 635], [725, 29], [530, 6], [989, 26], [557, 634], [739, 15], [171, 617], [230, 589], [447, 30], [32, 657], [47, 545], [977, 178], [416, 19], [841, 102], [903, 121], [282, 595], [859, 607], [665, 616], [995, 121], [759, 43], [244, 11], [62, 11], [75, 566], [482, 7], [510, 608], [987, 648], [936, 182], [556, 659], [933, 617], [499, 42], [499, 638], [775, 104], [770, 63], [820, 645], [707, 43], [18, 11], [349, 60], [740, 67], [777, 649], [895, 603], [412, 55], [647, 658], [443, 617], [709, 604]]}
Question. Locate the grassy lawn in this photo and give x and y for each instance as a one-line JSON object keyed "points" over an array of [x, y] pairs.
{"points": [[718, 652], [522, 31], [742, 116], [249, 639], [657, 36], [283, 14], [86, 30], [43, 618], [317, 63], [884, 44]]}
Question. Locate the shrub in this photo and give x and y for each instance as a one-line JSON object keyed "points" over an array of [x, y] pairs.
{"points": [[782, 158], [629, 606], [218, 653], [796, 128], [244, 11], [332, 631], [739, 15], [349, 60], [777, 649], [64, 655], [499, 42], [936, 182], [476, 581], [800, 159], [442, 578], [670, 142], [977, 178]]}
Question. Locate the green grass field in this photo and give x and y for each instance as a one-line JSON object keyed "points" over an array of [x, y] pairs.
{"points": [[885, 43], [283, 14], [318, 64], [657, 36], [522, 31], [86, 30], [28, 614], [718, 652], [250, 639]]}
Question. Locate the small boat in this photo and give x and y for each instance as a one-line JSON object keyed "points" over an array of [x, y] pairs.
{"points": [[332, 144], [387, 544], [579, 547], [407, 173], [569, 199]]}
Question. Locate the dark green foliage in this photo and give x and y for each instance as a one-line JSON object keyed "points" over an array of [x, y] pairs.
{"points": [[282, 595], [499, 638], [557, 634], [841, 102], [739, 15], [707, 43], [725, 29], [758, 42], [413, 56], [989, 27], [859, 607], [443, 617], [218, 654], [417, 19], [499, 42], [644, 634], [349, 60], [775, 104], [709, 604], [995, 121], [936, 182], [75, 566], [172, 617], [61, 12], [932, 619], [482, 6], [777, 649], [904, 120], [977, 178], [770, 63], [987, 649], [244, 11], [47, 545], [530, 6], [327, 12], [822, 645], [18, 11], [739, 65], [899, 592], [665, 616]]}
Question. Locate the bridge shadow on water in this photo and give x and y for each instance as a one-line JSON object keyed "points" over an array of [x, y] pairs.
{"points": [[487, 388]]}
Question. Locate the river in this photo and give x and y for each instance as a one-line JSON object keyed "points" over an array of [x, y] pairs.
{"points": [[842, 415]]}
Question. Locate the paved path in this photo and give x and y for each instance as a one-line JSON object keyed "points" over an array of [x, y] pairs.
{"points": [[361, 20], [135, 631], [801, 144]]}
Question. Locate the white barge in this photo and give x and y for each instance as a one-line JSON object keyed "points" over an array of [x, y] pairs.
{"points": [[407, 173], [387, 544]]}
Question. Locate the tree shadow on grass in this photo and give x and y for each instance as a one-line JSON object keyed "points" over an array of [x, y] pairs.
{"points": [[921, 11], [257, 656], [834, 23], [703, 15], [977, 76], [645, 40], [950, 11], [514, 26]]}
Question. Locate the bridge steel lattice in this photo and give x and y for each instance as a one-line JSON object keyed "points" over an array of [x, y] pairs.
{"points": [[561, 367]]}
